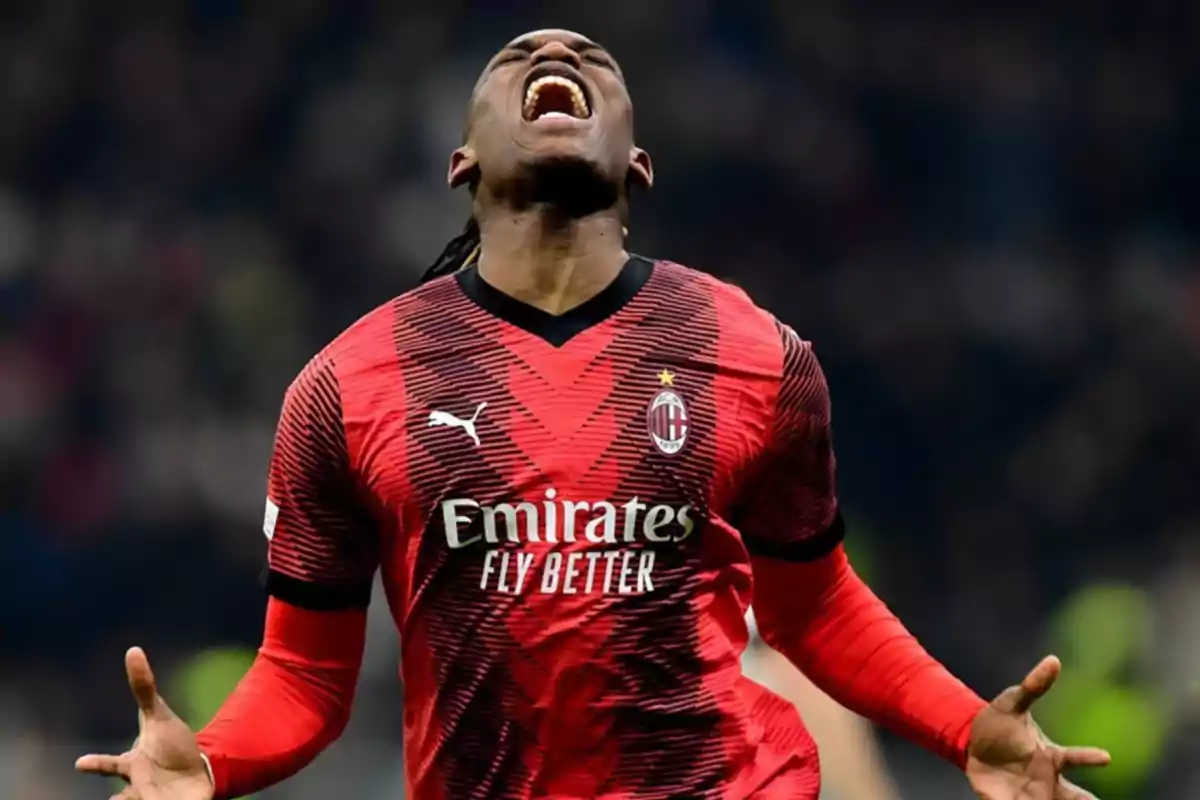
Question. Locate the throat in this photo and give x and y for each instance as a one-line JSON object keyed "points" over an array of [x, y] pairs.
{"points": [[549, 268], [556, 285]]}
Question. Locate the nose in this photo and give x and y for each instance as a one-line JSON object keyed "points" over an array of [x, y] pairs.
{"points": [[556, 51]]}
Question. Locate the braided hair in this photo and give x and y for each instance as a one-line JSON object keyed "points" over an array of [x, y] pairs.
{"points": [[459, 253]]}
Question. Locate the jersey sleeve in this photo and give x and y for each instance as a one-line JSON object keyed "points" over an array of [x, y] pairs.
{"points": [[788, 509], [323, 540]]}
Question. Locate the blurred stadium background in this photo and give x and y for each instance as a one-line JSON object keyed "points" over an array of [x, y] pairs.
{"points": [[986, 218]]}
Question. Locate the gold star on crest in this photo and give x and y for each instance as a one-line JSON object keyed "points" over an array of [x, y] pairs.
{"points": [[666, 378]]}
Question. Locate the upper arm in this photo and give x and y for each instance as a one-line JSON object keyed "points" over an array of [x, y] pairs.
{"points": [[789, 509], [323, 540]]}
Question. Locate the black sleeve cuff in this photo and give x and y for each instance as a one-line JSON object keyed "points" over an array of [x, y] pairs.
{"points": [[812, 548], [315, 596]]}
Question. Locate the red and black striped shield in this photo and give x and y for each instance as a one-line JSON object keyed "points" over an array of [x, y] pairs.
{"points": [[667, 421]]}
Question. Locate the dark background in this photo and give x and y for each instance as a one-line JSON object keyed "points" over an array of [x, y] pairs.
{"points": [[985, 218]]}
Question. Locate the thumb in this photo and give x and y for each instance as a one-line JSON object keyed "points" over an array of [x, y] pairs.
{"points": [[1036, 683], [1018, 699], [141, 682]]}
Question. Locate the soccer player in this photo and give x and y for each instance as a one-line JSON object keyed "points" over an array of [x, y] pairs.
{"points": [[574, 467]]}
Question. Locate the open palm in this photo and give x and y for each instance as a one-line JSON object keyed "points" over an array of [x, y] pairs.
{"points": [[1009, 757], [164, 762]]}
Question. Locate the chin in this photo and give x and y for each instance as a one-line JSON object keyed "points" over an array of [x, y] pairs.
{"points": [[570, 179], [566, 156], [566, 145]]}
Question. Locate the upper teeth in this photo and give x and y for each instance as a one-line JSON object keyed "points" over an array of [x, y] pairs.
{"points": [[577, 98]]}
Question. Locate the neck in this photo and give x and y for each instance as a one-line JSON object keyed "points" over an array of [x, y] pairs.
{"points": [[546, 261]]}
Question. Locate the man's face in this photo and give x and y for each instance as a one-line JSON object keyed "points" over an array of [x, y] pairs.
{"points": [[549, 97]]}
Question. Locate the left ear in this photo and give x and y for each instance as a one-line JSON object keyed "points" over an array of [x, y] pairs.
{"points": [[641, 171], [464, 166]]}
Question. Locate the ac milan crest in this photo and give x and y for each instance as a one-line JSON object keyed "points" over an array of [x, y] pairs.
{"points": [[667, 421]]}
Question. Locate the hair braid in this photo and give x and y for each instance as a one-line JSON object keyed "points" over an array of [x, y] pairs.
{"points": [[459, 253]]}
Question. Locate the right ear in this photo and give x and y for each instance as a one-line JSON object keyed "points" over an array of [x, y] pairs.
{"points": [[464, 166]]}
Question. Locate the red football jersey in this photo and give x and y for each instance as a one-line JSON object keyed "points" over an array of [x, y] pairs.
{"points": [[562, 508]]}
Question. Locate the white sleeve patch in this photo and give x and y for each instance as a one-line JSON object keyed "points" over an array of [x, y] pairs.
{"points": [[269, 518], [751, 624]]}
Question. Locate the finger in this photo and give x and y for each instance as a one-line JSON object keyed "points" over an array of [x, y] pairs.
{"points": [[1084, 757], [1069, 791], [141, 680], [117, 766], [1036, 683], [129, 793]]}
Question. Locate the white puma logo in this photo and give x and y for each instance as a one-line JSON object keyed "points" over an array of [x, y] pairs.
{"points": [[450, 421]]}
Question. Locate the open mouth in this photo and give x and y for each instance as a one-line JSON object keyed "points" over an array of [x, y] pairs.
{"points": [[555, 96]]}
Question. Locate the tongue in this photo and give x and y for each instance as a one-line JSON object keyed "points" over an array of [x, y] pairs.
{"points": [[554, 98]]}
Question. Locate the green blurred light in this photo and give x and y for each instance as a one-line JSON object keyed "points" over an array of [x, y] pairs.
{"points": [[1089, 711], [1102, 629], [204, 681], [860, 548]]}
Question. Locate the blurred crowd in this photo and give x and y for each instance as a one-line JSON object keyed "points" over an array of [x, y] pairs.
{"points": [[985, 218]]}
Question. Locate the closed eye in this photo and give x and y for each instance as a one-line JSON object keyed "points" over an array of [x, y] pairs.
{"points": [[599, 60]]}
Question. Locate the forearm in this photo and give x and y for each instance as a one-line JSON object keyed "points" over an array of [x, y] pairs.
{"points": [[833, 627], [291, 705]]}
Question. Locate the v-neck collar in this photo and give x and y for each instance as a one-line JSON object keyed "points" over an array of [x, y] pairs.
{"points": [[558, 329]]}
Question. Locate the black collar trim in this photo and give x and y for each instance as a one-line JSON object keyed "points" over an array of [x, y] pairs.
{"points": [[561, 328]]}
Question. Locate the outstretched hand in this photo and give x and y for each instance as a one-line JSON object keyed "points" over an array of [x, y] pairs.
{"points": [[164, 762], [1009, 758]]}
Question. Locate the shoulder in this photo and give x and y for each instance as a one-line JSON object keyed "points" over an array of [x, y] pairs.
{"points": [[374, 341], [758, 338], [319, 386], [672, 275], [373, 335], [353, 351]]}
